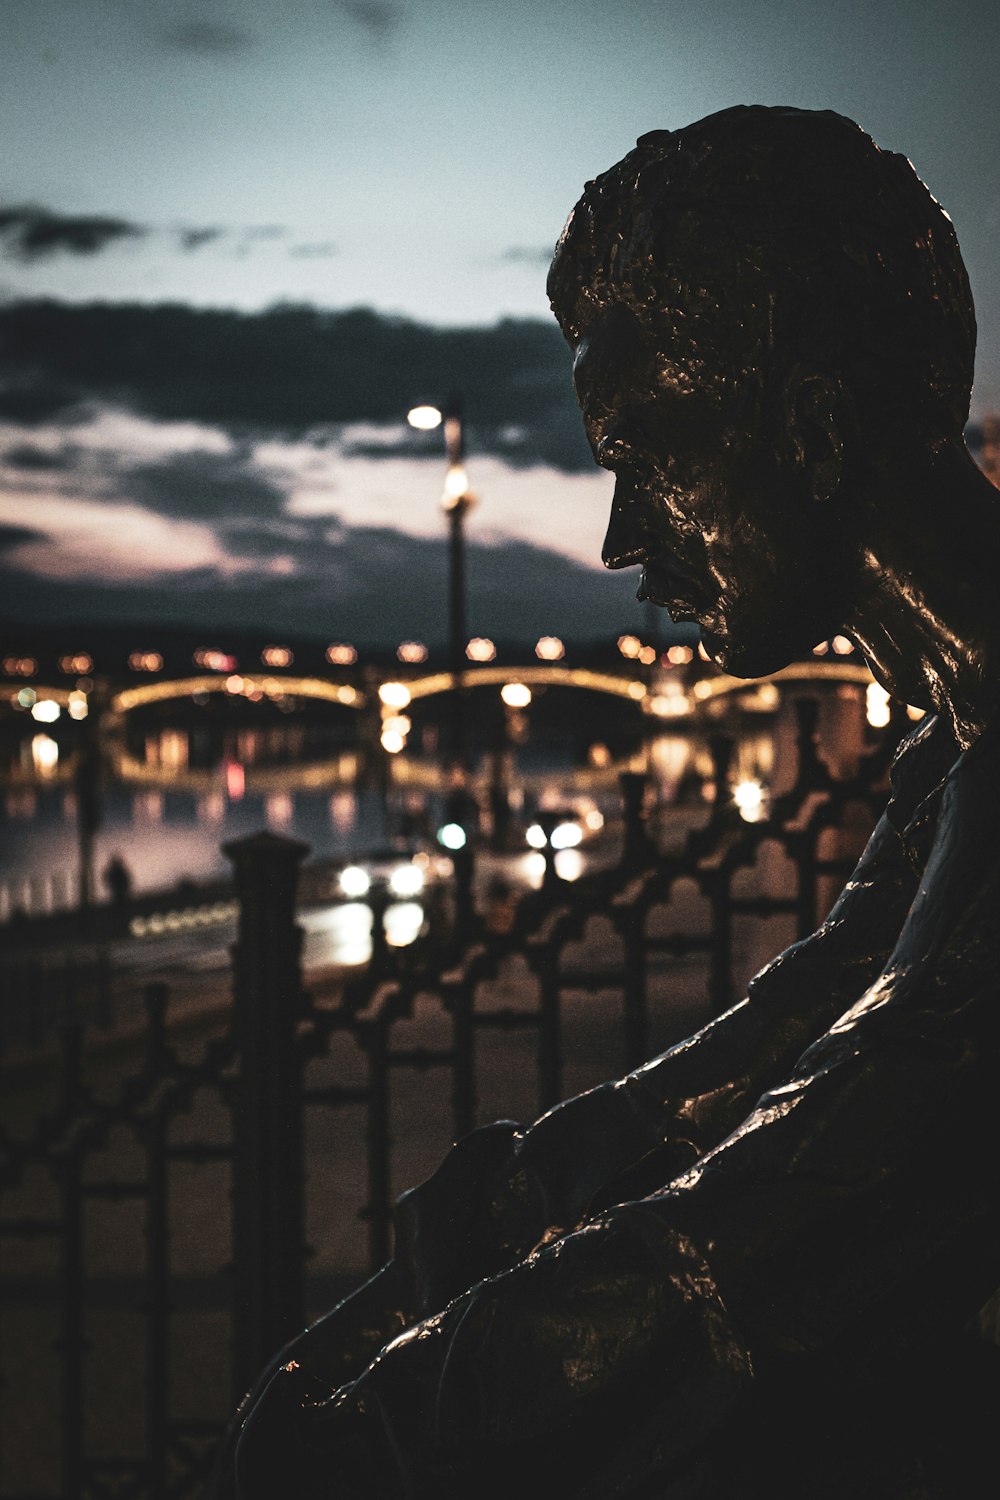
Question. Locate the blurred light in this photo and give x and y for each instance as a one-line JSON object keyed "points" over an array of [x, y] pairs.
{"points": [[629, 646], [215, 661], [842, 645], [26, 697], [277, 656], [452, 836], [73, 665], [768, 696], [516, 694], [279, 810], [20, 666], [403, 921], [354, 881], [150, 661], [424, 418], [394, 694], [679, 656], [406, 880], [340, 654], [44, 754], [599, 755], [534, 868], [456, 487], [569, 864], [670, 705], [594, 819], [566, 835], [78, 706], [535, 835], [636, 690], [234, 684], [346, 694], [397, 724], [480, 648], [877, 705], [647, 656], [46, 711], [702, 689], [549, 648], [236, 780], [392, 742], [412, 651], [749, 798], [702, 653], [821, 649]]}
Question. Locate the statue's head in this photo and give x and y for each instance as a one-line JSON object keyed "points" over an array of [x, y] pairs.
{"points": [[765, 309]]}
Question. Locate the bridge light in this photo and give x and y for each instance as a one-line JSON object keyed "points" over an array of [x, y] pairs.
{"points": [[394, 694], [549, 648], [637, 690], [78, 706], [406, 880], [20, 666], [354, 881], [679, 656], [234, 684], [46, 711], [346, 694], [397, 724], [647, 655], [341, 654], [629, 646], [480, 648], [424, 418], [516, 694], [534, 835], [392, 741], [277, 656], [412, 651], [74, 665], [566, 835]]}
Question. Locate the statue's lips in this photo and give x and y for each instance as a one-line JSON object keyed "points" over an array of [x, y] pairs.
{"points": [[671, 589]]}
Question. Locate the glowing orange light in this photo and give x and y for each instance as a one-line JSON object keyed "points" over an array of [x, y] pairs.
{"points": [[647, 656], [480, 648], [277, 656], [340, 654], [20, 666], [629, 646], [516, 694], [842, 646], [236, 780], [73, 665], [549, 648], [679, 656], [412, 651]]}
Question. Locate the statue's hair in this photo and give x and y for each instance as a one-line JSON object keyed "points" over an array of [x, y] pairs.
{"points": [[763, 238]]}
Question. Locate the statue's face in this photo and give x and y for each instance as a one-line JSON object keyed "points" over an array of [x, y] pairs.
{"points": [[714, 510]]}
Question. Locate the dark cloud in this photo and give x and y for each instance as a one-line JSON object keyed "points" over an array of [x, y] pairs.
{"points": [[528, 255], [320, 251], [291, 368], [28, 456], [207, 38], [13, 536], [204, 487], [368, 584], [376, 18], [31, 402], [194, 239], [28, 232]]}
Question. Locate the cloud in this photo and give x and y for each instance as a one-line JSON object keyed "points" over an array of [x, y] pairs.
{"points": [[207, 38], [29, 233], [320, 251], [378, 19], [528, 255], [294, 369], [29, 456], [195, 238]]}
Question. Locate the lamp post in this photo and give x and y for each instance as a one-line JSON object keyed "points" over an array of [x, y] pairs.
{"points": [[456, 502]]}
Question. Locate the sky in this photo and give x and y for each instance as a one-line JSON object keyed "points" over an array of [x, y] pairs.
{"points": [[222, 438]]}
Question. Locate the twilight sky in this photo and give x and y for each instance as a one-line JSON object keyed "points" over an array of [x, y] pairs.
{"points": [[417, 159]]}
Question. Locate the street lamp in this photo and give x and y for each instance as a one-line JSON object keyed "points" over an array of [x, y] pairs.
{"points": [[456, 502]]}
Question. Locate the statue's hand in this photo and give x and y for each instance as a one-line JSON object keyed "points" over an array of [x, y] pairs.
{"points": [[609, 1348]]}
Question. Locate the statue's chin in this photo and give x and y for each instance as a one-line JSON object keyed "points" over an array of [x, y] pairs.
{"points": [[746, 658]]}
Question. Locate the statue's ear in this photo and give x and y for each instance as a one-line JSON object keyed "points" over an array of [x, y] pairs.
{"points": [[817, 422]]}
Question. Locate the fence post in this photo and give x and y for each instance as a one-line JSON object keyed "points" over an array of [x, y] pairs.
{"points": [[267, 1168]]}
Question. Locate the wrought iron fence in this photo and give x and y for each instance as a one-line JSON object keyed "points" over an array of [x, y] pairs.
{"points": [[178, 1200]]}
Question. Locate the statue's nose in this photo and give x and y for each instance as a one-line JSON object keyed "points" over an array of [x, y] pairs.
{"points": [[622, 543]]}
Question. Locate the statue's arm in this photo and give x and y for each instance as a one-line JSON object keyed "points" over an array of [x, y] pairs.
{"points": [[654, 1122]]}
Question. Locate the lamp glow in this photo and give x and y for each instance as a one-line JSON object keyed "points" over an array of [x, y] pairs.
{"points": [[424, 418]]}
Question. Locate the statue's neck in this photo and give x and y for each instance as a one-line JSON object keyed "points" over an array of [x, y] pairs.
{"points": [[926, 614]]}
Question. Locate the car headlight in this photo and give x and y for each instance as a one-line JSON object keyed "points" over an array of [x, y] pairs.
{"points": [[354, 881], [406, 880]]}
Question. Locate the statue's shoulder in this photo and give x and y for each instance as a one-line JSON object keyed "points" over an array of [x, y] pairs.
{"points": [[922, 763]]}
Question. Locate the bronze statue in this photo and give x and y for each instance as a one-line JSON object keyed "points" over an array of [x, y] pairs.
{"points": [[745, 1268]]}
